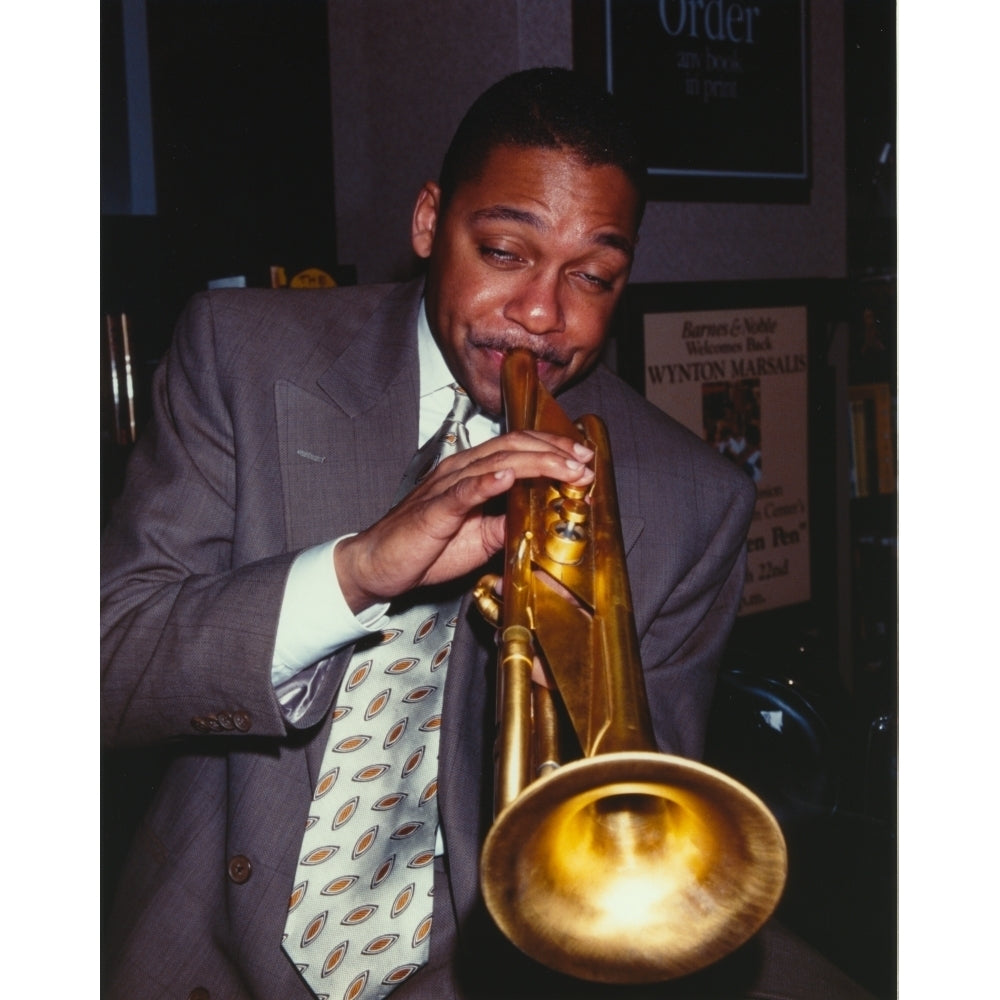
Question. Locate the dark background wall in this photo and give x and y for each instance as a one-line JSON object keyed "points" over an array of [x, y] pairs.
{"points": [[241, 168]]}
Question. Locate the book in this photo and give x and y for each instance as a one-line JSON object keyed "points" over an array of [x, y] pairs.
{"points": [[873, 439]]}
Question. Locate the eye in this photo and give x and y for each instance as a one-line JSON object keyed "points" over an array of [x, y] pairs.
{"points": [[496, 255], [595, 281]]}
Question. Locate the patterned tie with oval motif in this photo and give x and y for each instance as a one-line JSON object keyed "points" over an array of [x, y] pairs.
{"points": [[359, 915]]}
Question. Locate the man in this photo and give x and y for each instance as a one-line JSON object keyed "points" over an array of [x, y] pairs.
{"points": [[260, 541]]}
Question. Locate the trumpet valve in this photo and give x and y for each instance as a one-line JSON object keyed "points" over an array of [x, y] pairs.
{"points": [[566, 534]]}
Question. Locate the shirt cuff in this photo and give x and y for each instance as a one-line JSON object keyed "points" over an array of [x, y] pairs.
{"points": [[315, 620]]}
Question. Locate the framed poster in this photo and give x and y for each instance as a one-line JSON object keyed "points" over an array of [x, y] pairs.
{"points": [[718, 89], [735, 364]]}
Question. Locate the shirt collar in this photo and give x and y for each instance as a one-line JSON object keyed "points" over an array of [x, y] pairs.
{"points": [[436, 380], [434, 372]]}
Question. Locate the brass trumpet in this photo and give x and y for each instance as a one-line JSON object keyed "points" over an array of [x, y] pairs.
{"points": [[625, 865]]}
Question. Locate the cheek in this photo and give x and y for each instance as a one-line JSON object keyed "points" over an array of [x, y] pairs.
{"points": [[587, 328], [465, 296], [482, 294]]}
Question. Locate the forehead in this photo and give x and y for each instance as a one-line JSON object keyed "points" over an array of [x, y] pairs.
{"points": [[549, 187]]}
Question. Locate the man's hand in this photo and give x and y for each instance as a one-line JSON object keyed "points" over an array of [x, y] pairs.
{"points": [[439, 531]]}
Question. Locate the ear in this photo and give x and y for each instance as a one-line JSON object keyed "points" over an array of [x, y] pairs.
{"points": [[425, 218]]}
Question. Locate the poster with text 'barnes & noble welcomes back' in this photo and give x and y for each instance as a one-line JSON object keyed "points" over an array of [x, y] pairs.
{"points": [[739, 379]]}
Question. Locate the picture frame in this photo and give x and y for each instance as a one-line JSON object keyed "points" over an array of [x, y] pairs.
{"points": [[718, 90], [750, 360]]}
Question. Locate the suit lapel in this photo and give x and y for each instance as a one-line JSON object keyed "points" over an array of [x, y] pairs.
{"points": [[345, 437], [467, 737]]}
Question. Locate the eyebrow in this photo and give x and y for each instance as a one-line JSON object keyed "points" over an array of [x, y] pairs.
{"points": [[506, 213]]}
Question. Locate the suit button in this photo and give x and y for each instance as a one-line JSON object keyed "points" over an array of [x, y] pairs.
{"points": [[225, 720], [240, 869], [241, 720], [199, 993], [199, 724]]}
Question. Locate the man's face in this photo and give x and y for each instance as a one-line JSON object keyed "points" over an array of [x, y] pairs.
{"points": [[534, 253]]}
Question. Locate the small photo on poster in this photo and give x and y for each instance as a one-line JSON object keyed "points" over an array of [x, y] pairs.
{"points": [[731, 418]]}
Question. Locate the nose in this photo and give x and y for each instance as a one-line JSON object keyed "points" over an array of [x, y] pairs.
{"points": [[536, 305]]}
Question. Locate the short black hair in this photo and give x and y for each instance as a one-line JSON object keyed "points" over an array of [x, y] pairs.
{"points": [[545, 108]]}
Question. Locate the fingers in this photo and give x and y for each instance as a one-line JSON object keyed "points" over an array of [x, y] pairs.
{"points": [[440, 530], [520, 455], [539, 442], [464, 482]]}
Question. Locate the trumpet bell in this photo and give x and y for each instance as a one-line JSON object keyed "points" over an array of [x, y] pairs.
{"points": [[633, 867]]}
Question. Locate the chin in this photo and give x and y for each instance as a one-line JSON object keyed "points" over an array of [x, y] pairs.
{"points": [[489, 402], [482, 383]]}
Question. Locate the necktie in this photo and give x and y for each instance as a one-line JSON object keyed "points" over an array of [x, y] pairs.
{"points": [[362, 898], [450, 437]]}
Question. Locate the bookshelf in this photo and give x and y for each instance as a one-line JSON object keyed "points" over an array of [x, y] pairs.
{"points": [[873, 527]]}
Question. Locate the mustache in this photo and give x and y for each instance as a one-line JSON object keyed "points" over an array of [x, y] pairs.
{"points": [[543, 350]]}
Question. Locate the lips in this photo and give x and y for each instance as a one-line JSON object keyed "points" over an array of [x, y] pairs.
{"points": [[483, 360], [496, 347], [549, 371]]}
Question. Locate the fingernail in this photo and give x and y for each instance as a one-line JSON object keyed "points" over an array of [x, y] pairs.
{"points": [[582, 451]]}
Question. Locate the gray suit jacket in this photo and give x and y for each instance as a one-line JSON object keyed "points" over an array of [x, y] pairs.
{"points": [[283, 419]]}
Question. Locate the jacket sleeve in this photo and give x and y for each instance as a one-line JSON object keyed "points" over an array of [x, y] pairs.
{"points": [[187, 631]]}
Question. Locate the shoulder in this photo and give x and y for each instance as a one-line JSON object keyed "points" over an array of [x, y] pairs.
{"points": [[280, 331], [282, 314]]}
